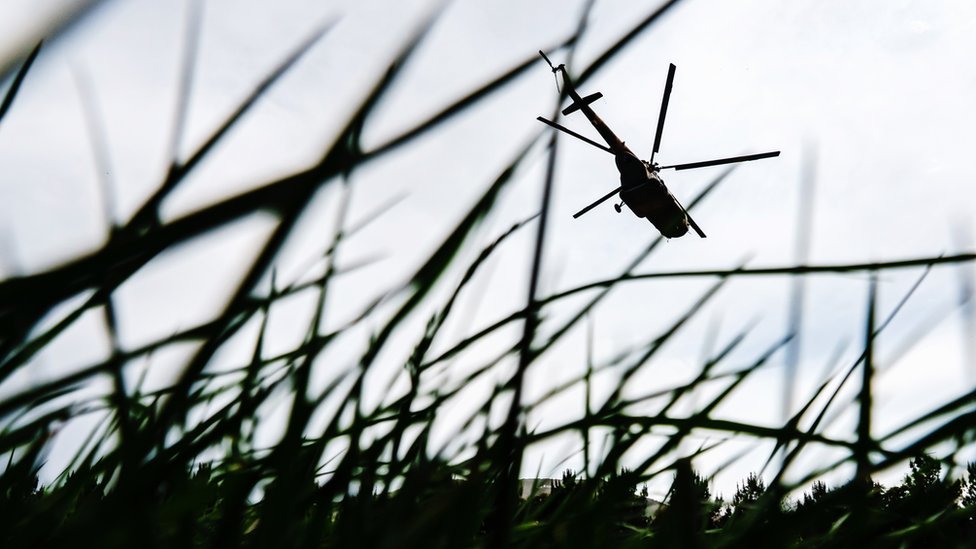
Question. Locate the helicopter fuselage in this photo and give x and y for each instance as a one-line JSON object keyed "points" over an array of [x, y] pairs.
{"points": [[644, 192]]}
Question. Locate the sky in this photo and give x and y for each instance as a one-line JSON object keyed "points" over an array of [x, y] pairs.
{"points": [[874, 100]]}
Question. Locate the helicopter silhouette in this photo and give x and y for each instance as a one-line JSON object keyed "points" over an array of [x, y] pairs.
{"points": [[641, 188]]}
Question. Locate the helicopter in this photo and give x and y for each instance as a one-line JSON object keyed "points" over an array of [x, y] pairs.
{"points": [[641, 187]]}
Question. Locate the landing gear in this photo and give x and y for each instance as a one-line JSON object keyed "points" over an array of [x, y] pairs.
{"points": [[617, 207]]}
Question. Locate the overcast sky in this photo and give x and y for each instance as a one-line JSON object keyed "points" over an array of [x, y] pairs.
{"points": [[876, 97]]}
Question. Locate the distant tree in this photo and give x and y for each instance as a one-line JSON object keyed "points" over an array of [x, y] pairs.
{"points": [[690, 510], [747, 495], [588, 511], [923, 492], [617, 494], [922, 496], [924, 475], [560, 493], [968, 488], [759, 516], [823, 508], [816, 495], [967, 523]]}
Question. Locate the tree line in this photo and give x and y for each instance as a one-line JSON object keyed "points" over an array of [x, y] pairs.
{"points": [[441, 507]]}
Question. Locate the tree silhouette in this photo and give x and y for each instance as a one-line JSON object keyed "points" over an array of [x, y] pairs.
{"points": [[745, 499], [922, 494], [690, 510], [968, 487]]}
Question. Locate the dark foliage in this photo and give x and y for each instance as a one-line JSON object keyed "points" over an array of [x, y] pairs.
{"points": [[191, 510]]}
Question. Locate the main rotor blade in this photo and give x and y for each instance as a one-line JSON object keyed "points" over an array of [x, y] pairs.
{"points": [[664, 111], [691, 221], [546, 57], [601, 200], [694, 225], [729, 160], [574, 134]]}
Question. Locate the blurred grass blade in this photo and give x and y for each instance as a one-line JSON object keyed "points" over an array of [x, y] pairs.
{"points": [[177, 170], [618, 46], [191, 46], [866, 398], [8, 98], [51, 23], [804, 232], [767, 271]]}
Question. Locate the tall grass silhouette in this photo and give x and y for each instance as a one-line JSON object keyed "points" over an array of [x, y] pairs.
{"points": [[182, 465]]}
